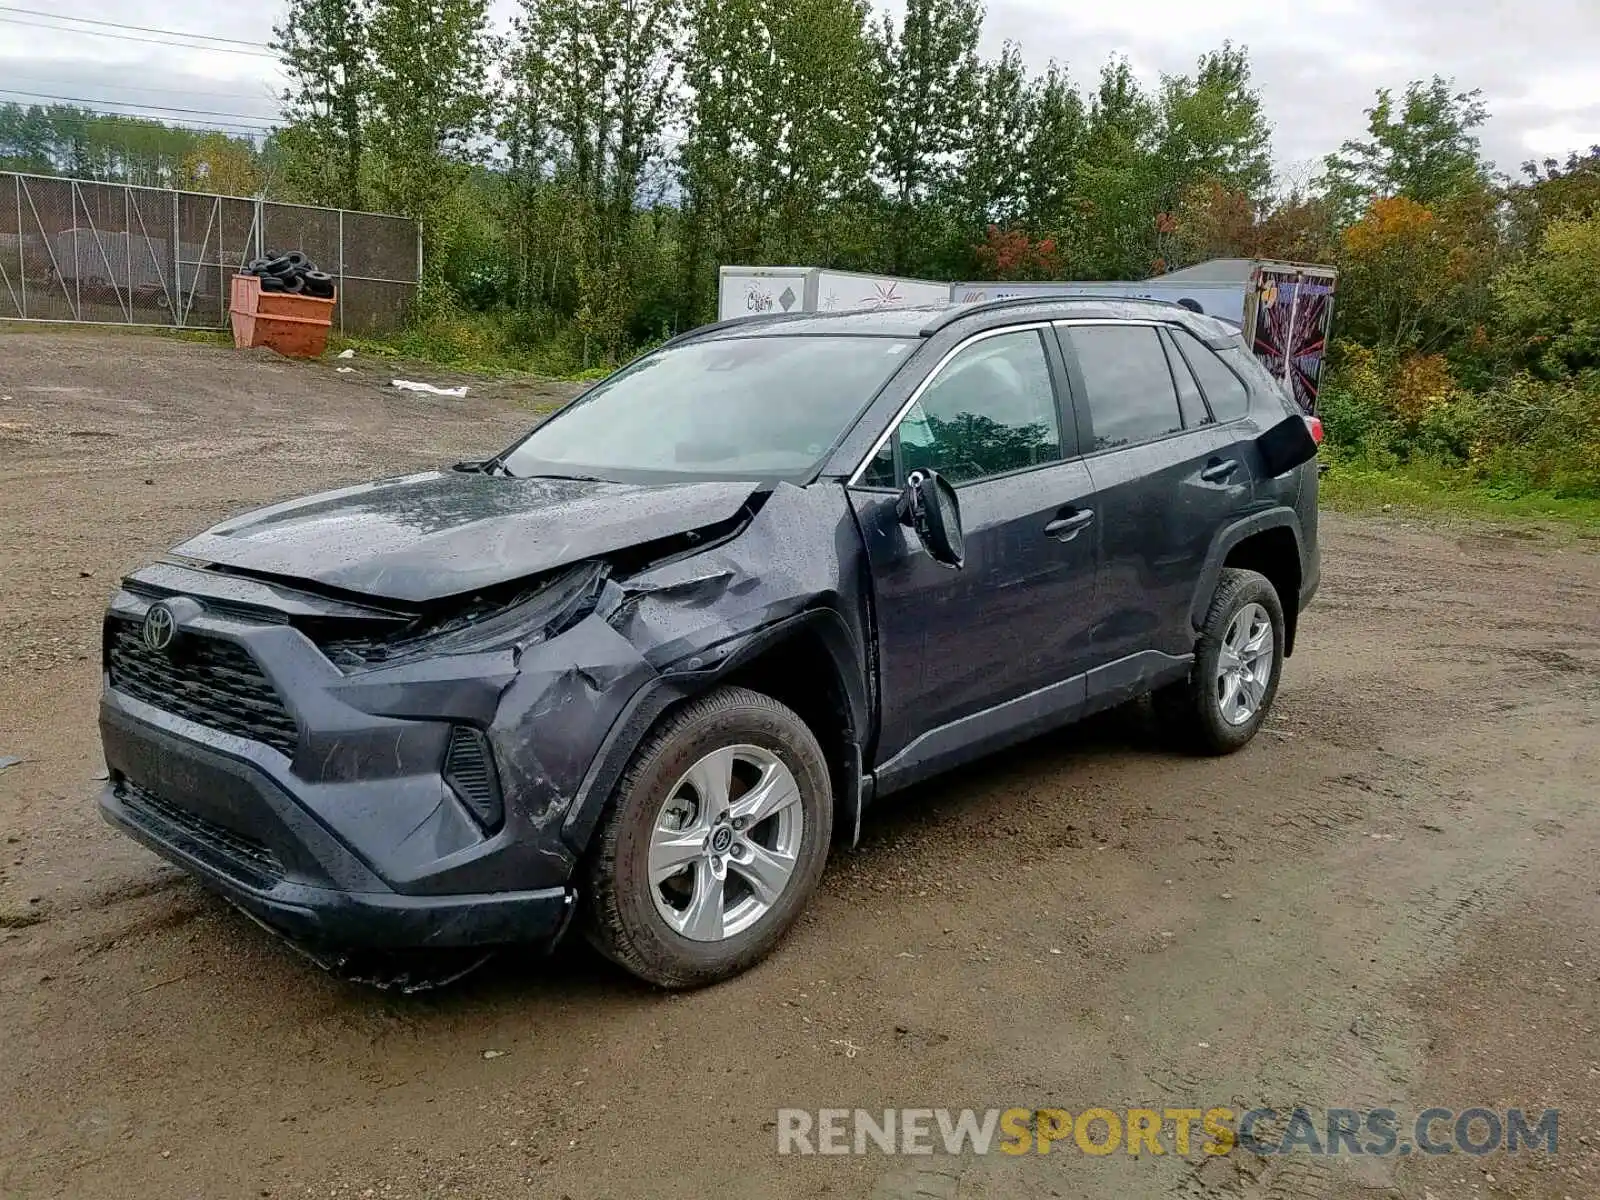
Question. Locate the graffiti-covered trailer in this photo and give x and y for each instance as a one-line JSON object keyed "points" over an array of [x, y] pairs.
{"points": [[752, 291], [1284, 309]]}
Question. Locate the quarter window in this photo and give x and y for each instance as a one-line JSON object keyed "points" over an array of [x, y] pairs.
{"points": [[1227, 396], [1129, 388], [990, 410], [1190, 402]]}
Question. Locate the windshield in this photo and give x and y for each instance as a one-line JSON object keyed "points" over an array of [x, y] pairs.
{"points": [[757, 408]]}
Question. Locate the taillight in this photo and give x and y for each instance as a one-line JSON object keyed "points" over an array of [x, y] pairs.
{"points": [[1315, 425]]}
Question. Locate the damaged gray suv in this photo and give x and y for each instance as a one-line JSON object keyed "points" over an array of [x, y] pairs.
{"points": [[646, 666]]}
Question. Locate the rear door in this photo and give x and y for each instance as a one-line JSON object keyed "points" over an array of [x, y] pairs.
{"points": [[956, 646], [1165, 479]]}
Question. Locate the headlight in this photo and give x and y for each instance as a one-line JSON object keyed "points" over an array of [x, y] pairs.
{"points": [[484, 623]]}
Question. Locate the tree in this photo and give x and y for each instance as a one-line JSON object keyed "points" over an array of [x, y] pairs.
{"points": [[990, 186], [592, 92], [429, 95], [1394, 263], [1213, 129], [1214, 222], [1012, 254], [323, 46], [1550, 190], [778, 137], [926, 91], [221, 164], [1423, 148], [1549, 302], [1057, 125], [1118, 180]]}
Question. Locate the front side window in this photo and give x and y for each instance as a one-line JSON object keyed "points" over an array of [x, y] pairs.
{"points": [[990, 410], [758, 408], [1128, 387]]}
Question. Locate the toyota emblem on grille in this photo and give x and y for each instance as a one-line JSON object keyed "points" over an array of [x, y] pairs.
{"points": [[160, 627]]}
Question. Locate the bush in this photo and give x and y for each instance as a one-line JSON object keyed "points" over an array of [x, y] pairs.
{"points": [[1520, 434]]}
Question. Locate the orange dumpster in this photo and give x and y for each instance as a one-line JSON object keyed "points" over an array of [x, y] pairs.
{"points": [[293, 325]]}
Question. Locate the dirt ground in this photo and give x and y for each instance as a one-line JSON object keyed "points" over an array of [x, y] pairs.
{"points": [[1391, 898]]}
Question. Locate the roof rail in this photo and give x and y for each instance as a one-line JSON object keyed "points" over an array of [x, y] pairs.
{"points": [[966, 308], [731, 323]]}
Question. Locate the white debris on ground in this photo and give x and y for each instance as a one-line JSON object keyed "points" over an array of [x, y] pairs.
{"points": [[409, 385]]}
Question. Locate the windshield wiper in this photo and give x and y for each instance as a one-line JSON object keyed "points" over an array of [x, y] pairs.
{"points": [[487, 466]]}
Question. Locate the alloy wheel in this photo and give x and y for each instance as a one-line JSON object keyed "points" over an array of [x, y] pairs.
{"points": [[725, 843], [1244, 666]]}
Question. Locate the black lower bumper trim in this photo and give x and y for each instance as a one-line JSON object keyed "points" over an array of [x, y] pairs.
{"points": [[332, 918]]}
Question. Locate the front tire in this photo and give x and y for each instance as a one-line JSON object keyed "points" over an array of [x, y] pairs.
{"points": [[715, 841], [1237, 664]]}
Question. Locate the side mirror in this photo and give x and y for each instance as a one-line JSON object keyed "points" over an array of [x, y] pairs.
{"points": [[928, 504]]}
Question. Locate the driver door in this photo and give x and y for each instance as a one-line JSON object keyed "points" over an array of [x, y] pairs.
{"points": [[973, 657]]}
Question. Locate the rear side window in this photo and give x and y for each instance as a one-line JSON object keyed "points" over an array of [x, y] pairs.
{"points": [[1227, 395], [990, 410], [1129, 387], [1190, 401]]}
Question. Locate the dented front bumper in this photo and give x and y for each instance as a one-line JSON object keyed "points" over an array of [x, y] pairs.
{"points": [[352, 834]]}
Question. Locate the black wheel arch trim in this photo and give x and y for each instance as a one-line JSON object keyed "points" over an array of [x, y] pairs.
{"points": [[1229, 536], [714, 665]]}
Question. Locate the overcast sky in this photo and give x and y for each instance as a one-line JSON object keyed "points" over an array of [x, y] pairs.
{"points": [[1317, 62]]}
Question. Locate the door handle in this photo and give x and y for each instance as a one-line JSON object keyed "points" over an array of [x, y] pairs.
{"points": [[1064, 529], [1219, 469]]}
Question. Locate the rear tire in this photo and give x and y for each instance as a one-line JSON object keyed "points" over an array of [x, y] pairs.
{"points": [[1238, 661], [655, 875]]}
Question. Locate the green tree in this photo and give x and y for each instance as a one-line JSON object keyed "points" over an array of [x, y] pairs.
{"points": [[778, 133], [430, 101], [1057, 126], [990, 186], [323, 48], [927, 83], [1549, 302], [1213, 128], [1421, 146], [593, 91], [1118, 180]]}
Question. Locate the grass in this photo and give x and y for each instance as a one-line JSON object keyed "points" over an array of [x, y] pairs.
{"points": [[1354, 486]]}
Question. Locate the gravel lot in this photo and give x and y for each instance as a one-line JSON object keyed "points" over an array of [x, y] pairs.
{"points": [[1391, 898]]}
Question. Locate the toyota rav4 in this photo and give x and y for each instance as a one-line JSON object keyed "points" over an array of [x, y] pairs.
{"points": [[647, 665]]}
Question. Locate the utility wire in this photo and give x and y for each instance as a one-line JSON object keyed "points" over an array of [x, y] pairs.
{"points": [[268, 94], [198, 112], [203, 37], [129, 37]]}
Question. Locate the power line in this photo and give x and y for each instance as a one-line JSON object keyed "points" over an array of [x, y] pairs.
{"points": [[203, 37], [129, 37], [270, 94], [198, 112]]}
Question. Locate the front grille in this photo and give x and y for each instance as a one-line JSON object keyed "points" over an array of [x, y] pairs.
{"points": [[206, 680], [239, 849]]}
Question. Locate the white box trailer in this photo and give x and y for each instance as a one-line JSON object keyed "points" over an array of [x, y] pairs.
{"points": [[754, 291], [1284, 310]]}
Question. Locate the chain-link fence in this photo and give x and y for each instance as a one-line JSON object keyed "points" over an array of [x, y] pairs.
{"points": [[112, 253]]}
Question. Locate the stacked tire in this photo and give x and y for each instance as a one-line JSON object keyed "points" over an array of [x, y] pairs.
{"points": [[292, 273]]}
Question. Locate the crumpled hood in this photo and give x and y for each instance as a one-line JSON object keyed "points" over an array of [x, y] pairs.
{"points": [[445, 533]]}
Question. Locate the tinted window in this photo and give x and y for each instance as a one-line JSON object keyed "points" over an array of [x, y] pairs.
{"points": [[721, 408], [1227, 395], [1130, 393], [991, 409], [1190, 403]]}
